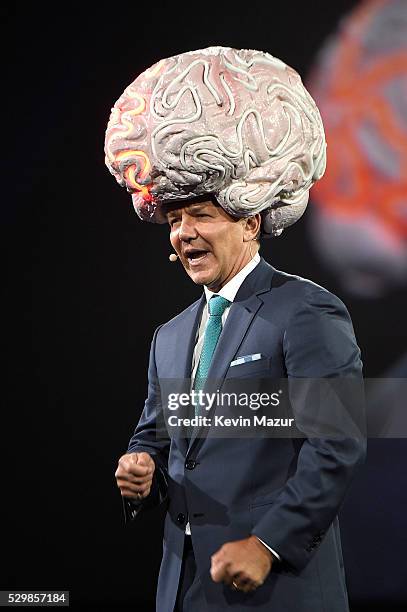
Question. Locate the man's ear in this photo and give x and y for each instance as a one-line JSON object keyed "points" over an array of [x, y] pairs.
{"points": [[251, 227]]}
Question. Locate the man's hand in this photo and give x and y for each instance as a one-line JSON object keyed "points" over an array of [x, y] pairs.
{"points": [[134, 475], [243, 564]]}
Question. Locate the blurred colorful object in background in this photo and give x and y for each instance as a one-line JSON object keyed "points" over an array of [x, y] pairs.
{"points": [[359, 82]]}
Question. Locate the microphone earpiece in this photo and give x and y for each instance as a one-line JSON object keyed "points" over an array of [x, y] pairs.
{"points": [[173, 257]]}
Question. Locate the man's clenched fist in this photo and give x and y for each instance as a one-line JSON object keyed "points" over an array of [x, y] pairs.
{"points": [[243, 564], [134, 475]]}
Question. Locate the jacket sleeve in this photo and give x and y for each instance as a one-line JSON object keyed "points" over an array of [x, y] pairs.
{"points": [[151, 437], [320, 353]]}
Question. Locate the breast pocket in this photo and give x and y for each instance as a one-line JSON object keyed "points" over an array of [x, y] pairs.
{"points": [[250, 369]]}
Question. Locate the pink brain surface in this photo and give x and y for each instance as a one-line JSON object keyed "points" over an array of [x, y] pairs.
{"points": [[238, 124], [360, 83]]}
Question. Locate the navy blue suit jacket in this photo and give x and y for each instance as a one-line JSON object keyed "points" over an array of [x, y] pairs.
{"points": [[285, 491]]}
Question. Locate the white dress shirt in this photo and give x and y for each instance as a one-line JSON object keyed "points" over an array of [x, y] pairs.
{"points": [[229, 292]]}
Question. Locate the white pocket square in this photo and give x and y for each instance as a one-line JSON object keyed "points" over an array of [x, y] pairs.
{"points": [[246, 358]]}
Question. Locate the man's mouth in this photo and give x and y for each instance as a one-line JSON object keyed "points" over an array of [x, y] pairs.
{"points": [[196, 256]]}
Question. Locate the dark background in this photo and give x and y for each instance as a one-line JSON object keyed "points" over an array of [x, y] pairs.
{"points": [[87, 282]]}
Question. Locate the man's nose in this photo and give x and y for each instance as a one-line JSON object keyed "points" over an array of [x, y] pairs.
{"points": [[187, 230]]}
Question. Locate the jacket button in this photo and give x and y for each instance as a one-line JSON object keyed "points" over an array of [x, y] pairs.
{"points": [[181, 518], [190, 464]]}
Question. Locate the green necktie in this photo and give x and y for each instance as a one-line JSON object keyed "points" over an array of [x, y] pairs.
{"points": [[216, 306]]}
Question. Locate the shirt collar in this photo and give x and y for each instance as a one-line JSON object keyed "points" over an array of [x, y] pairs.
{"points": [[229, 290]]}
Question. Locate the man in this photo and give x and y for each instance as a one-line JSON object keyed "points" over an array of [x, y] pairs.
{"points": [[224, 146]]}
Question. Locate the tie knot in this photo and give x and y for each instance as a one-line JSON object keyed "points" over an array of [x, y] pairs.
{"points": [[217, 305]]}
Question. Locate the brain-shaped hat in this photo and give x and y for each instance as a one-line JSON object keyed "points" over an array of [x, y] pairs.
{"points": [[238, 125]]}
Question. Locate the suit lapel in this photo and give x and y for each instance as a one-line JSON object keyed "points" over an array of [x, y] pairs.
{"points": [[185, 340], [237, 323], [181, 356]]}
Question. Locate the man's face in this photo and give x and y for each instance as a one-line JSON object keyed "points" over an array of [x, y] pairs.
{"points": [[212, 245]]}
